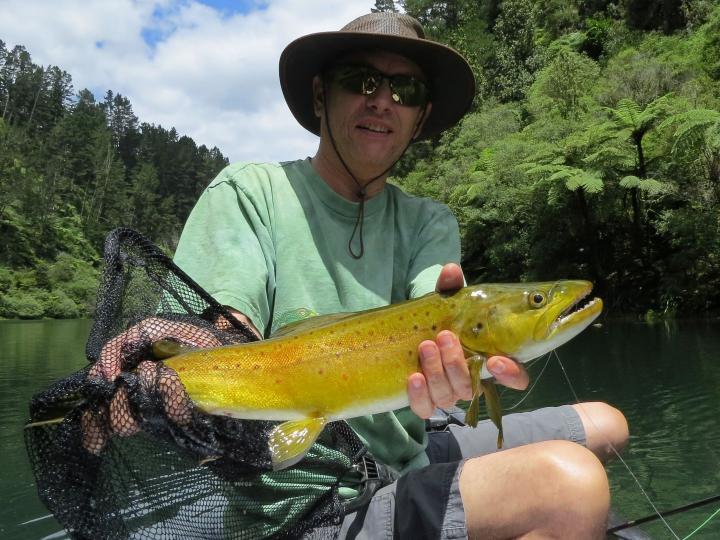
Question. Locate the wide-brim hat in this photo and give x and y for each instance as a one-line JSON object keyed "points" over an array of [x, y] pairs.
{"points": [[449, 77]]}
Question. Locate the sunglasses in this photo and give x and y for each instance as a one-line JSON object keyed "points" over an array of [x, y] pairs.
{"points": [[364, 80]]}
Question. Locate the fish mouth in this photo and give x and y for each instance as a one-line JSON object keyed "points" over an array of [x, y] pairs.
{"points": [[583, 310]]}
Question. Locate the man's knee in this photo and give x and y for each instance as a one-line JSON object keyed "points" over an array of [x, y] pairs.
{"points": [[553, 489], [606, 428]]}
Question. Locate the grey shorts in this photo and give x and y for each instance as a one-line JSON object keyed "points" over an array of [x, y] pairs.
{"points": [[426, 503]]}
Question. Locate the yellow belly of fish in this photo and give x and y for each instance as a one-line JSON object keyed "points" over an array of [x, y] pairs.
{"points": [[292, 378]]}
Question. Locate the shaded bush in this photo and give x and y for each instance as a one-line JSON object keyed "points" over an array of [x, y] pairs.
{"points": [[21, 305]]}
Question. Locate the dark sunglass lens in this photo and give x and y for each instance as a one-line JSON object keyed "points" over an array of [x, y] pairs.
{"points": [[357, 80], [408, 91], [370, 82]]}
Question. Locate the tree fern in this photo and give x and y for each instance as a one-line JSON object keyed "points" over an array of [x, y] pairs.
{"points": [[692, 128], [649, 186]]}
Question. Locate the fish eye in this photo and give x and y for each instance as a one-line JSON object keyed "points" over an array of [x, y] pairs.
{"points": [[537, 299]]}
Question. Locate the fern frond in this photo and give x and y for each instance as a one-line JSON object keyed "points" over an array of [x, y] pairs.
{"points": [[630, 182]]}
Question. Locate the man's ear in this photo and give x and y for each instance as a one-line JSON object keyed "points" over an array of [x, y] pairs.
{"points": [[422, 118], [318, 96]]}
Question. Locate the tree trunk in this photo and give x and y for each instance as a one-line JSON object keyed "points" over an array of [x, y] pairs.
{"points": [[37, 96], [635, 196], [591, 237]]}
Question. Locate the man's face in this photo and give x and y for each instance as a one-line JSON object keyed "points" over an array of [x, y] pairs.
{"points": [[371, 131]]}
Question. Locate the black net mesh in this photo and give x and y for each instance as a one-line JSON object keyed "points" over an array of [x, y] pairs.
{"points": [[132, 458]]}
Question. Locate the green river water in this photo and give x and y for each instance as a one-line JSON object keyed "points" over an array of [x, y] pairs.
{"points": [[664, 377]]}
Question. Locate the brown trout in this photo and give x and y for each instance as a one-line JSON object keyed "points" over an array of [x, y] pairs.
{"points": [[345, 365]]}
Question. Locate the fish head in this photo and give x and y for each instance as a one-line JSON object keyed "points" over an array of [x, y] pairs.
{"points": [[523, 320]]}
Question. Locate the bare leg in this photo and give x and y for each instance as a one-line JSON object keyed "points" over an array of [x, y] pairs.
{"points": [[552, 489], [605, 428]]}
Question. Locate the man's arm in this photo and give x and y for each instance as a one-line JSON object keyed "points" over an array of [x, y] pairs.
{"points": [[244, 319], [445, 377]]}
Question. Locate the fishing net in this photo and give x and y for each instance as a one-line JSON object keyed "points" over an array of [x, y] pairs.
{"points": [[132, 458]]}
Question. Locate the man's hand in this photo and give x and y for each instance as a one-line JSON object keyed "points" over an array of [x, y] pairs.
{"points": [[116, 418], [445, 377]]}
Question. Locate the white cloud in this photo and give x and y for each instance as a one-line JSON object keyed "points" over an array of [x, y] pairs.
{"points": [[212, 75]]}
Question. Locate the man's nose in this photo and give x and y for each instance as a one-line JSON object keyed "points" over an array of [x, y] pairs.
{"points": [[382, 97]]}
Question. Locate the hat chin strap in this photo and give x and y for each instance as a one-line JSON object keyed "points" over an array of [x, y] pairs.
{"points": [[362, 189]]}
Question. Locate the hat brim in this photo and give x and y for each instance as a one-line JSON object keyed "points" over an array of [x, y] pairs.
{"points": [[451, 81]]}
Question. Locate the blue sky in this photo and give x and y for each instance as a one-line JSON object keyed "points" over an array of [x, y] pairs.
{"points": [[206, 67], [156, 32], [236, 6]]}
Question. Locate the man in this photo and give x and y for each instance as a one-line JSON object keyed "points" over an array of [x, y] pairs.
{"points": [[276, 242]]}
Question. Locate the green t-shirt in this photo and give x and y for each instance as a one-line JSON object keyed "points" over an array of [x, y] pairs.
{"points": [[271, 240]]}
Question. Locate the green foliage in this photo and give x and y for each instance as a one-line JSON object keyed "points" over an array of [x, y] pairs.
{"points": [[608, 170], [564, 85], [649, 186], [516, 58], [559, 17], [63, 288], [596, 37], [21, 305], [382, 6], [72, 169], [652, 15], [593, 151]]}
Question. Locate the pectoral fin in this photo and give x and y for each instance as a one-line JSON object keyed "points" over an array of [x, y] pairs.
{"points": [[290, 441], [494, 409], [475, 364]]}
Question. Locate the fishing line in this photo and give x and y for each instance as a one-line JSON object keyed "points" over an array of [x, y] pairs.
{"points": [[684, 508], [612, 447], [534, 384], [715, 513]]}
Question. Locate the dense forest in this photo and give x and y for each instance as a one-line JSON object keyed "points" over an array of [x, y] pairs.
{"points": [[72, 169], [592, 151]]}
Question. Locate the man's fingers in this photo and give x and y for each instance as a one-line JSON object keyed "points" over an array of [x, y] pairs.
{"points": [[94, 429], [420, 402], [445, 375], [450, 278], [107, 368], [113, 355], [441, 392], [121, 420], [455, 366], [508, 372], [177, 404], [147, 373]]}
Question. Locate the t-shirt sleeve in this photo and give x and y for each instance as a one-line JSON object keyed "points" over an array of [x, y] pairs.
{"points": [[438, 243], [226, 245]]}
